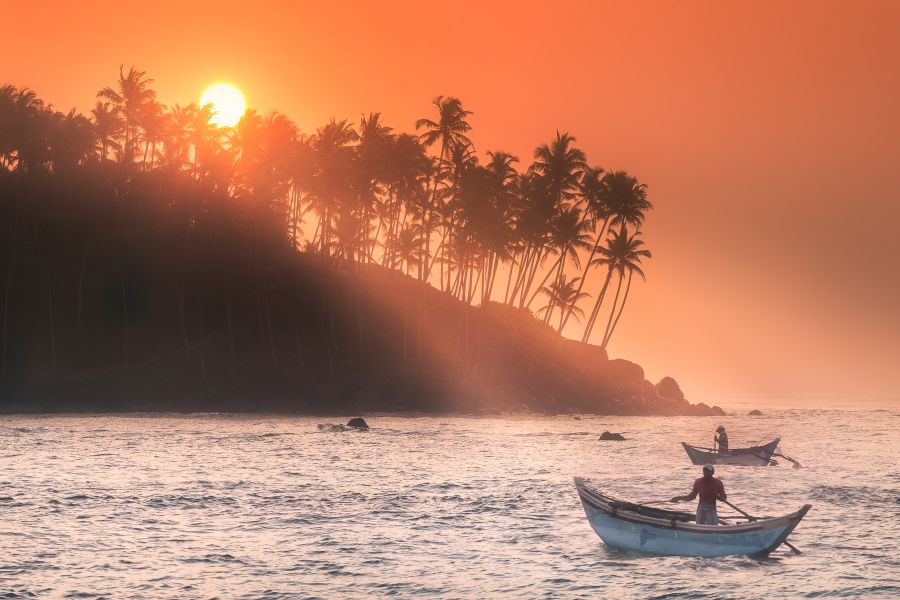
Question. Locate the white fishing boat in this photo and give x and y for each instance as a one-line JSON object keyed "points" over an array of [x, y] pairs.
{"points": [[641, 528]]}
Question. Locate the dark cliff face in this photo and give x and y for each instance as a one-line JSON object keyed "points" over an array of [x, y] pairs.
{"points": [[119, 307]]}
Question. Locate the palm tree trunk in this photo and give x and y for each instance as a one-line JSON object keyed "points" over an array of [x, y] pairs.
{"points": [[52, 321], [202, 335], [124, 312], [456, 282], [550, 306], [437, 251], [522, 272], [477, 280], [614, 305], [230, 317], [9, 275], [182, 318], [271, 337], [81, 275], [292, 212], [388, 258], [495, 265], [589, 326], [621, 308], [300, 361], [426, 221], [509, 278], [534, 269], [546, 277], [584, 275]]}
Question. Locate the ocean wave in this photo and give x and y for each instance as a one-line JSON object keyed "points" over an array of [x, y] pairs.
{"points": [[214, 558], [172, 500], [862, 495]]}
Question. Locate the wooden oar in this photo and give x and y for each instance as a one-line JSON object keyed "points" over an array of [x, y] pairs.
{"points": [[797, 464], [785, 542], [723, 500]]}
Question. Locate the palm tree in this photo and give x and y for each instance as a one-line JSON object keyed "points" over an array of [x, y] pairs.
{"points": [[23, 129], [631, 263], [562, 294], [263, 146], [22, 119], [71, 140], [533, 214], [569, 234], [302, 170], [561, 164], [153, 122], [407, 169], [497, 227], [8, 96], [624, 199], [373, 152], [612, 199], [450, 129], [334, 168], [558, 167], [443, 204], [212, 162], [595, 212], [175, 137], [622, 253], [619, 200], [130, 100], [409, 247], [108, 128]]}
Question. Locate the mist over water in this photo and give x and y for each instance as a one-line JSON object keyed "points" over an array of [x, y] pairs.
{"points": [[268, 507]]}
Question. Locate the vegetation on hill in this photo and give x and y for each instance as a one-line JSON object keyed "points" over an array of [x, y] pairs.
{"points": [[151, 259]]}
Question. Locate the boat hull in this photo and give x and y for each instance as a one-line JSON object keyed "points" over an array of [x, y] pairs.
{"points": [[620, 528], [758, 456]]}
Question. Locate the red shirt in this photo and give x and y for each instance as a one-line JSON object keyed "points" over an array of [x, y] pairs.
{"points": [[708, 490]]}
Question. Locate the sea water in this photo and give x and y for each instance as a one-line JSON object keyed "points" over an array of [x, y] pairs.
{"points": [[248, 506]]}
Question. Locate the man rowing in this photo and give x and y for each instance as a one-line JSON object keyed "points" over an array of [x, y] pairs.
{"points": [[709, 488]]}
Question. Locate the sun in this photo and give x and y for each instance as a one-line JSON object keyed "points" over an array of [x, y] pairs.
{"points": [[227, 102]]}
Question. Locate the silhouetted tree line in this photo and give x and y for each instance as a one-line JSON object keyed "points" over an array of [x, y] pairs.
{"points": [[215, 204]]}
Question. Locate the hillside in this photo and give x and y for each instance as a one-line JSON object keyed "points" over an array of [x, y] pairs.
{"points": [[121, 306]]}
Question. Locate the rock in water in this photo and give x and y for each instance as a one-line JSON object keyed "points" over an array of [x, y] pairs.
{"points": [[358, 423], [755, 413], [612, 437]]}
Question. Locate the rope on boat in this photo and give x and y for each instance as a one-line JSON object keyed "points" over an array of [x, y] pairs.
{"points": [[769, 436]]}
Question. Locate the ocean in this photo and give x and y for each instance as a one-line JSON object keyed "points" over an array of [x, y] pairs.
{"points": [[249, 506]]}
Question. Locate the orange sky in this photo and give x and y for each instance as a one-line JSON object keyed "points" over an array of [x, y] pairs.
{"points": [[768, 133]]}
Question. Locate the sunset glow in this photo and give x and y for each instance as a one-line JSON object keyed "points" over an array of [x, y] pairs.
{"points": [[496, 300], [228, 103]]}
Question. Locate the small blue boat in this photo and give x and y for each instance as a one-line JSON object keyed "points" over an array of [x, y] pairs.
{"points": [[666, 532]]}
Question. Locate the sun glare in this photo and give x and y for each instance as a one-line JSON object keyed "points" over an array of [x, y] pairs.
{"points": [[227, 102]]}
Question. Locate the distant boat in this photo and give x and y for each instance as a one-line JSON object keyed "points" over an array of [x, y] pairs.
{"points": [[757, 456], [650, 530]]}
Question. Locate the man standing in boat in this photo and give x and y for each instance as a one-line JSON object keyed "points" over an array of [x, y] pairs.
{"points": [[721, 439], [709, 488]]}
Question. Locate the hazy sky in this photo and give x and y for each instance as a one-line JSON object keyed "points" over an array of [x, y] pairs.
{"points": [[768, 134]]}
